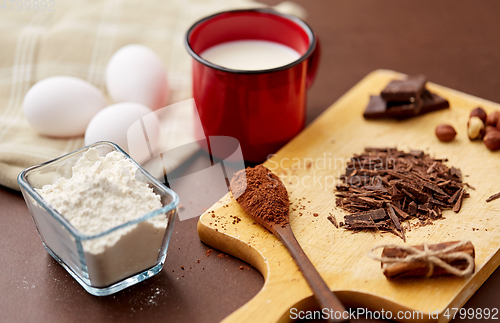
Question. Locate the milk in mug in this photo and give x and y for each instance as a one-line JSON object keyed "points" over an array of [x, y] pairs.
{"points": [[250, 55]]}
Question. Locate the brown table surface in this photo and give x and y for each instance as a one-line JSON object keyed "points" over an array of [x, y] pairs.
{"points": [[454, 42]]}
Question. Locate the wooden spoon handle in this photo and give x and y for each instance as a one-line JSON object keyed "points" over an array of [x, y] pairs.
{"points": [[322, 293]]}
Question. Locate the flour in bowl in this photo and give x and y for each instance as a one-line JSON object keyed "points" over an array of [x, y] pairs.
{"points": [[103, 193]]}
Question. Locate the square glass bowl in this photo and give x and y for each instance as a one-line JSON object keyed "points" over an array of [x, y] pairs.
{"points": [[136, 256]]}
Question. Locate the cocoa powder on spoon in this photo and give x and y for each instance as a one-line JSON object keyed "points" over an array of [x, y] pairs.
{"points": [[263, 193], [264, 197]]}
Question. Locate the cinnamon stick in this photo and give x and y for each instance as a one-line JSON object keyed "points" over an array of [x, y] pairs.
{"points": [[421, 268]]}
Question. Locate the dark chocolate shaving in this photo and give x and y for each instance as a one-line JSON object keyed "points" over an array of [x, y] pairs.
{"points": [[458, 204], [384, 187], [332, 219], [493, 197]]}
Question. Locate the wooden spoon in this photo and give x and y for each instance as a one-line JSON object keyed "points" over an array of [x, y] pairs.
{"points": [[264, 197]]}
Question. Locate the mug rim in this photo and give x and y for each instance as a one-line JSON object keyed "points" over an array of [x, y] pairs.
{"points": [[298, 21]]}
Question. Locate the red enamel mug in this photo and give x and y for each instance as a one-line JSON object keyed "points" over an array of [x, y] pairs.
{"points": [[262, 109]]}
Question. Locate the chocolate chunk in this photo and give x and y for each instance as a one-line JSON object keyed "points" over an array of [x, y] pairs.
{"points": [[412, 208], [456, 172], [404, 110], [393, 217], [400, 212], [417, 153], [403, 99], [377, 108], [435, 188], [413, 192], [368, 216], [432, 102], [454, 197], [409, 90], [424, 207], [368, 200]]}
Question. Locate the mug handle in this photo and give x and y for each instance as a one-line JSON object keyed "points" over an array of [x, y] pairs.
{"points": [[312, 64]]}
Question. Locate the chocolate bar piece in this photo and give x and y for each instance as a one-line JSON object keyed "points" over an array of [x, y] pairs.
{"points": [[404, 110], [377, 108], [433, 102], [409, 90]]}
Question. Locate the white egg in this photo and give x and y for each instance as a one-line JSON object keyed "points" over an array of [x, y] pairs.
{"points": [[136, 74], [132, 126], [62, 106]]}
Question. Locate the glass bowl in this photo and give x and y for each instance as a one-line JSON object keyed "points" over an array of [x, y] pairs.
{"points": [[127, 262]]}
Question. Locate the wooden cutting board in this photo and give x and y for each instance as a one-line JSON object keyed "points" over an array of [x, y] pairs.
{"points": [[339, 255]]}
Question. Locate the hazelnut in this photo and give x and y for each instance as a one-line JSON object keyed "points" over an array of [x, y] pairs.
{"points": [[489, 129], [492, 139], [475, 128], [445, 132], [492, 118], [479, 112]]}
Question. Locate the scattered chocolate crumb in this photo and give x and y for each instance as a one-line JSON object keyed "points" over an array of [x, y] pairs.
{"points": [[332, 219], [182, 267], [315, 214], [493, 197], [241, 268]]}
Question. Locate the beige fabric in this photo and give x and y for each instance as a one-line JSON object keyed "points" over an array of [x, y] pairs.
{"points": [[77, 39]]}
